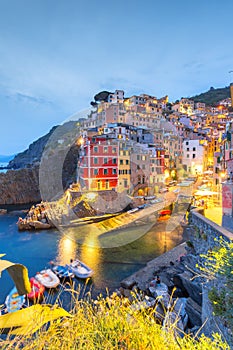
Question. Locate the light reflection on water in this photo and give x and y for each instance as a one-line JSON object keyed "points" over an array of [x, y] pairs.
{"points": [[67, 248], [110, 265]]}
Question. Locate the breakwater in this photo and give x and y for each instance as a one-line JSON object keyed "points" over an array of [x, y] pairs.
{"points": [[178, 271]]}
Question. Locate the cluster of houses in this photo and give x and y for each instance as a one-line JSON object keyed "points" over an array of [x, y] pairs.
{"points": [[139, 144]]}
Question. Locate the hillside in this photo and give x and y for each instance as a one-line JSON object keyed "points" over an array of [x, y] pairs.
{"points": [[21, 184], [33, 154], [213, 96]]}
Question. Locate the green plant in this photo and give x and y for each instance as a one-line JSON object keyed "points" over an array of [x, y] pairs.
{"points": [[218, 265], [218, 301], [204, 236], [190, 244]]}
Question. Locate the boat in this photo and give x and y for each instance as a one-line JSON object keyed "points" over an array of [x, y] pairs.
{"points": [[131, 211], [62, 271], [163, 217], [37, 289], [80, 269], [48, 278], [165, 212], [14, 301]]}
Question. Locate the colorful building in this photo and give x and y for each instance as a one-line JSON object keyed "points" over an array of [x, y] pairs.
{"points": [[98, 164]]}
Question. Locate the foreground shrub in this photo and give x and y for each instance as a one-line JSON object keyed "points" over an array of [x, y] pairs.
{"points": [[110, 324], [218, 266]]}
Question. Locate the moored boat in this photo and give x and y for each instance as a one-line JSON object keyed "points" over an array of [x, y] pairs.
{"points": [[80, 269], [165, 212], [14, 301], [47, 278], [164, 215], [63, 271], [37, 289]]}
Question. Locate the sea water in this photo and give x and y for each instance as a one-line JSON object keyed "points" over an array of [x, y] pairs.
{"points": [[111, 265]]}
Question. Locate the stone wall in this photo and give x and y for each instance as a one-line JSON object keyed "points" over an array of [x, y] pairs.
{"points": [[205, 234]]}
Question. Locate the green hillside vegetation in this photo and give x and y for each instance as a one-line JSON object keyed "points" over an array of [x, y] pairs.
{"points": [[213, 96]]}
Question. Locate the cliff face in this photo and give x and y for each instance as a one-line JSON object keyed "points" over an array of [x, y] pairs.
{"points": [[20, 186], [32, 155]]}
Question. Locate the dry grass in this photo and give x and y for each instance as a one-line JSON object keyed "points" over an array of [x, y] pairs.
{"points": [[109, 324]]}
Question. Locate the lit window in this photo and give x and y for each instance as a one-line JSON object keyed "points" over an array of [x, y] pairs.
{"points": [[106, 149]]}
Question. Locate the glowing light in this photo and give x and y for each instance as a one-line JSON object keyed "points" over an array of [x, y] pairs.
{"points": [[80, 141], [66, 249], [173, 173], [166, 174]]}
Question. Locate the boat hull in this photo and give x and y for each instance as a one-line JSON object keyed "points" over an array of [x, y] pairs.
{"points": [[37, 289], [62, 271], [14, 301], [47, 278], [80, 269]]}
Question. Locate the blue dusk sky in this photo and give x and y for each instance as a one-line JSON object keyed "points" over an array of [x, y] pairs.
{"points": [[55, 55]]}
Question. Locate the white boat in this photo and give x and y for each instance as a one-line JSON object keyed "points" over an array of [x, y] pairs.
{"points": [[80, 269], [131, 211], [48, 278]]}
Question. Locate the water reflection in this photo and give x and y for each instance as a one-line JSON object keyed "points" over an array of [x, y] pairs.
{"points": [[91, 254], [67, 248]]}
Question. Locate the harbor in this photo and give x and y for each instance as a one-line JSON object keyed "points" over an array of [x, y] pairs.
{"points": [[110, 265]]}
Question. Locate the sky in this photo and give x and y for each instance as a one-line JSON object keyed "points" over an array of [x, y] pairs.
{"points": [[55, 55]]}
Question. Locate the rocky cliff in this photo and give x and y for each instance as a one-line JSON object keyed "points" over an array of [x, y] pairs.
{"points": [[20, 185], [31, 155]]}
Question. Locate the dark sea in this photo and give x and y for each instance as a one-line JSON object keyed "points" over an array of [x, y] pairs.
{"points": [[111, 265]]}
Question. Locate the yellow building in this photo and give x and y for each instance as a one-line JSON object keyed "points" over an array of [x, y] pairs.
{"points": [[124, 166]]}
